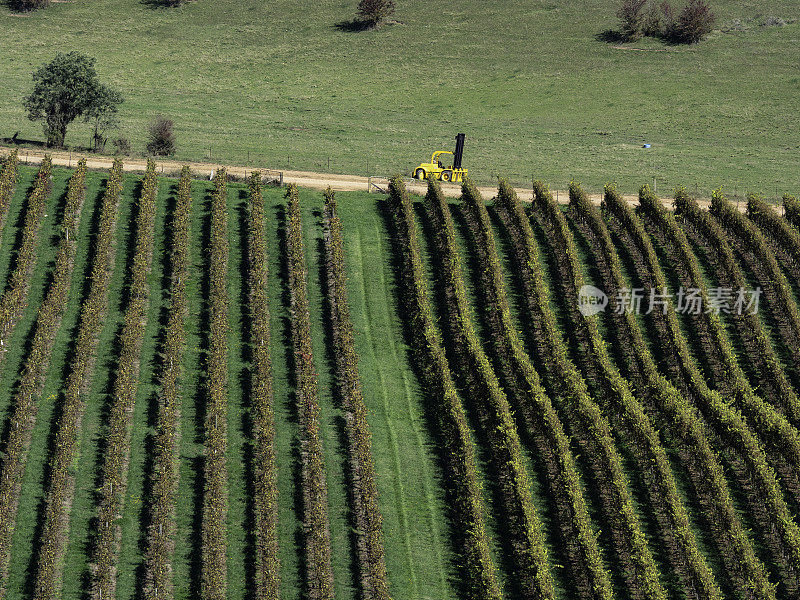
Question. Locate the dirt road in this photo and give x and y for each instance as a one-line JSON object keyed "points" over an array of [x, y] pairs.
{"points": [[306, 179]]}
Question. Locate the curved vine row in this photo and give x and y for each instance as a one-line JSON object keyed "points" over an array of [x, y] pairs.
{"points": [[791, 209], [782, 238], [752, 247], [631, 422], [590, 427], [730, 435], [478, 575], [773, 429], [534, 410], [670, 410], [476, 377]]}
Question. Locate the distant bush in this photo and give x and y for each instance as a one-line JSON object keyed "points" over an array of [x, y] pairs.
{"points": [[648, 18], [653, 18], [694, 22], [26, 5], [122, 146], [374, 12], [162, 137], [630, 16]]}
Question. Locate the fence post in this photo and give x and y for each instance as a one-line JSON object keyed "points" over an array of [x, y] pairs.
{"points": [[369, 184], [281, 178]]}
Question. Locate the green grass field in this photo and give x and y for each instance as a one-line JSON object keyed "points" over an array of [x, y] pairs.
{"points": [[530, 83]]}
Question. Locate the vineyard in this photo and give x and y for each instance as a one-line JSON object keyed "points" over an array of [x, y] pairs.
{"points": [[232, 390]]}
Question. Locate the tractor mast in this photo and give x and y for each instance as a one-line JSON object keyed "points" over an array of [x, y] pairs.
{"points": [[459, 151]]}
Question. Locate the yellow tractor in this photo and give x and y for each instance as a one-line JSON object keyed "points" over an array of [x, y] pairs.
{"points": [[437, 170]]}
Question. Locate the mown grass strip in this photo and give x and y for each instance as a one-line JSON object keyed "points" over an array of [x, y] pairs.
{"points": [[364, 493], [60, 486], [315, 490], [23, 417], [477, 572], [115, 460]]}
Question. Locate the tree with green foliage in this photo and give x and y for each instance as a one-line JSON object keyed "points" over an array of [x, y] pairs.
{"points": [[373, 13], [67, 88], [102, 113]]}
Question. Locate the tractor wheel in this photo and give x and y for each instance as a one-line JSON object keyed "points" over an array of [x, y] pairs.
{"points": [[420, 174], [447, 175]]}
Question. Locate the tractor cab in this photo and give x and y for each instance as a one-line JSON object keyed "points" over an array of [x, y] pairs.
{"points": [[441, 171]]}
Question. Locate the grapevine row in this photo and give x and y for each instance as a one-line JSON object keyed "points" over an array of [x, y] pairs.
{"points": [[782, 237], [725, 428], [315, 491], [60, 487], [23, 417], [160, 545], [745, 236], [367, 513], [214, 572], [591, 428], [115, 460], [8, 181], [267, 566], [476, 377], [773, 428], [458, 452], [670, 409], [791, 208], [631, 423], [535, 411], [710, 236], [12, 303]]}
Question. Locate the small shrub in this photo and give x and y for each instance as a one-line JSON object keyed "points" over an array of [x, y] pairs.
{"points": [[122, 146], [374, 12], [162, 137], [27, 5], [694, 22], [630, 15], [651, 19]]}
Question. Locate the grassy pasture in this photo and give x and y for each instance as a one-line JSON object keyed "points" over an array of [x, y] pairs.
{"points": [[531, 84]]}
